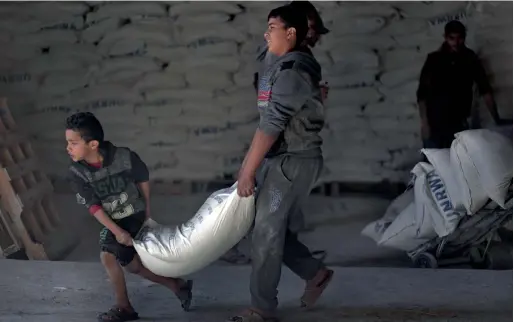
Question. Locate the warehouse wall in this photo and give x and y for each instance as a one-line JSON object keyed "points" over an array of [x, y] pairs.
{"points": [[173, 80]]}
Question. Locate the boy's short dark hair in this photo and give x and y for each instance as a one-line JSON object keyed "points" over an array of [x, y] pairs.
{"points": [[87, 125], [292, 18], [455, 27]]}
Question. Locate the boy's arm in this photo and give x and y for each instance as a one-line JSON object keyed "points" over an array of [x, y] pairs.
{"points": [[86, 197], [290, 92], [142, 178]]}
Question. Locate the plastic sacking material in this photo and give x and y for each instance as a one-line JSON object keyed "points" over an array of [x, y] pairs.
{"points": [[220, 223]]}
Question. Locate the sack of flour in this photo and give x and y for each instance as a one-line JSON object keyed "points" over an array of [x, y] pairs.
{"points": [[402, 234], [434, 203], [222, 221], [375, 230], [482, 162]]}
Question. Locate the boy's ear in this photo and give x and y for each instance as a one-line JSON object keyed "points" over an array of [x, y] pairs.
{"points": [[94, 144]]}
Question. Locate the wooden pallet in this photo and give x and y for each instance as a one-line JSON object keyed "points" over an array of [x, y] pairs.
{"points": [[26, 192]]}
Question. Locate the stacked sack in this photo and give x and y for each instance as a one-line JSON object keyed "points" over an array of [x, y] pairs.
{"points": [[457, 182]]}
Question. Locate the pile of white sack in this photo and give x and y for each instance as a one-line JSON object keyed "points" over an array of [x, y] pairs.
{"points": [[457, 182], [222, 221]]}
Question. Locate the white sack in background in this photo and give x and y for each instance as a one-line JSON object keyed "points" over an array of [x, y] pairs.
{"points": [[127, 10], [353, 80], [209, 80], [214, 64], [47, 38], [402, 234], [184, 9], [375, 230], [83, 52], [94, 31], [440, 160], [193, 20], [357, 25], [61, 83], [225, 31], [354, 96], [483, 161], [433, 203], [348, 60], [398, 77], [159, 80], [402, 94]]}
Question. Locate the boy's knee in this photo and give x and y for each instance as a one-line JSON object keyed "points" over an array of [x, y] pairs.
{"points": [[108, 259], [134, 267]]}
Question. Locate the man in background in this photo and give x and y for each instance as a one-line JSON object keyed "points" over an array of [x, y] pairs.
{"points": [[445, 91], [264, 60]]}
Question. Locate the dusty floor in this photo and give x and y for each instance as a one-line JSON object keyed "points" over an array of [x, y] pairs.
{"points": [[64, 292]]}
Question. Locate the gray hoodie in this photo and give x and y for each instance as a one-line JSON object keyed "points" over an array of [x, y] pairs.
{"points": [[289, 103]]}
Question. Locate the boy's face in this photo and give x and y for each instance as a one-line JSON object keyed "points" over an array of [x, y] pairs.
{"points": [[77, 148], [279, 38]]}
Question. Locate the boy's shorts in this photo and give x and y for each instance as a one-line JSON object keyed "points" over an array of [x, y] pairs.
{"points": [[108, 243]]}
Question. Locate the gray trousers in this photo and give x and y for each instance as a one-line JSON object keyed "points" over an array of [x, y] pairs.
{"points": [[282, 184]]}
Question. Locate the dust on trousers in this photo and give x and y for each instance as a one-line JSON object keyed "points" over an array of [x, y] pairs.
{"points": [[282, 183]]}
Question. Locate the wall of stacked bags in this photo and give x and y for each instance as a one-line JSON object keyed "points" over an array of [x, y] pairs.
{"points": [[173, 80]]}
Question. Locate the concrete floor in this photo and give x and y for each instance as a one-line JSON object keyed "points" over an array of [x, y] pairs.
{"points": [[65, 292]]}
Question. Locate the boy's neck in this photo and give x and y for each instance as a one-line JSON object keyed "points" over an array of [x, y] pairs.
{"points": [[94, 159]]}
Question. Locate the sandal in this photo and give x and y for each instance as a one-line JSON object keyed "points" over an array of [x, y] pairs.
{"points": [[251, 316], [118, 314], [185, 295], [315, 287]]}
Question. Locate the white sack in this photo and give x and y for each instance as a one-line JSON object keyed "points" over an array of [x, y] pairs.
{"points": [[482, 160], [376, 229], [159, 80], [47, 38], [209, 80], [193, 20], [440, 160], [357, 25], [178, 9], [433, 202], [94, 31], [402, 233], [127, 10], [354, 96], [353, 80], [222, 221], [348, 59], [400, 76], [224, 31], [403, 94], [61, 83]]}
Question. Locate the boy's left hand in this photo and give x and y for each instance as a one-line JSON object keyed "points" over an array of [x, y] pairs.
{"points": [[245, 184]]}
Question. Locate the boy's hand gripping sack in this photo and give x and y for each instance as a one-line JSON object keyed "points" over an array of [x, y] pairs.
{"points": [[222, 221]]}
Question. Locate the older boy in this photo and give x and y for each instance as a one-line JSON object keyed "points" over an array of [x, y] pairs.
{"points": [[288, 141], [112, 183]]}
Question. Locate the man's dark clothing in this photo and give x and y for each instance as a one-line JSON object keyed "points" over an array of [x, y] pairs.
{"points": [[113, 187], [446, 87]]}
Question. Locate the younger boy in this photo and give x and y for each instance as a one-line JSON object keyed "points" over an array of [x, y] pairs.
{"points": [[112, 183]]}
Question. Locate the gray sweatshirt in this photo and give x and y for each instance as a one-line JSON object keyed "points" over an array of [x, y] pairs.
{"points": [[289, 103]]}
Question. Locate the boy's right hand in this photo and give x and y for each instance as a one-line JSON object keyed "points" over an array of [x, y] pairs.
{"points": [[124, 238]]}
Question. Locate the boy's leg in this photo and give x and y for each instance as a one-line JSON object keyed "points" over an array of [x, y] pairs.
{"points": [[111, 252], [287, 180], [180, 287]]}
